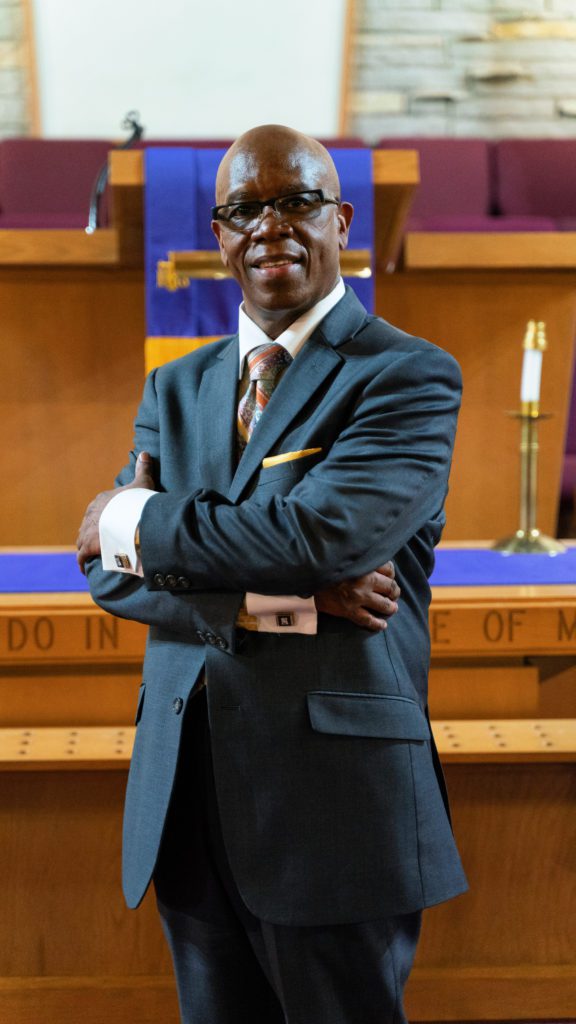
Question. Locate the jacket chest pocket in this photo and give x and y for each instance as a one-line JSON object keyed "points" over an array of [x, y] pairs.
{"points": [[283, 476]]}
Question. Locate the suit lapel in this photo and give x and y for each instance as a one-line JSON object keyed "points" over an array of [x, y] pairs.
{"points": [[313, 365], [216, 420]]}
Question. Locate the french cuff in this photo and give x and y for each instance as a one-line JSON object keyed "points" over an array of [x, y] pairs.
{"points": [[118, 526], [281, 614]]}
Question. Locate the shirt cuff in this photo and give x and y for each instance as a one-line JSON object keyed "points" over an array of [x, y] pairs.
{"points": [[283, 614], [118, 524]]}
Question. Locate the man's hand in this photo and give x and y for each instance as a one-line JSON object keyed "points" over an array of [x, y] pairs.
{"points": [[368, 601], [88, 542]]}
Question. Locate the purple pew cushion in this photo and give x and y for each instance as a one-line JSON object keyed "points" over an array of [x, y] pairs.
{"points": [[39, 221], [476, 222], [566, 224], [536, 176], [454, 175], [339, 142], [49, 176]]}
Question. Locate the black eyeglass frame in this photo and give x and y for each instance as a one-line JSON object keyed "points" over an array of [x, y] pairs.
{"points": [[263, 203]]}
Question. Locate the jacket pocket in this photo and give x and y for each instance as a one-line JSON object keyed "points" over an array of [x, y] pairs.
{"points": [[140, 703], [385, 716]]}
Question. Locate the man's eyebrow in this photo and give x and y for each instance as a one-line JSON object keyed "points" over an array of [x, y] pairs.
{"points": [[238, 197]]}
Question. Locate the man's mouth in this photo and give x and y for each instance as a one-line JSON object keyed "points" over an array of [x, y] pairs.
{"points": [[275, 262]]}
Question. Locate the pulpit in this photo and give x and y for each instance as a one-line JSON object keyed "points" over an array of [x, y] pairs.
{"points": [[503, 672]]}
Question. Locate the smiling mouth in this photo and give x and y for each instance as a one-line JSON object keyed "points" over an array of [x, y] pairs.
{"points": [[275, 262]]}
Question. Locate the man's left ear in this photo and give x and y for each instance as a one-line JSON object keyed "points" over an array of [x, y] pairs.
{"points": [[345, 214]]}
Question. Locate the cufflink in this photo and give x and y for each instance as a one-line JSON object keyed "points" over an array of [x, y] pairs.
{"points": [[122, 561], [287, 619]]}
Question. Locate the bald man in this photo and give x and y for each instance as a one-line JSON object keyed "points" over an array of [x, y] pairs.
{"points": [[285, 793]]}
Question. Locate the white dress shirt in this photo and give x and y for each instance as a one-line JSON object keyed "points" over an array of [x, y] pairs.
{"points": [[121, 517]]}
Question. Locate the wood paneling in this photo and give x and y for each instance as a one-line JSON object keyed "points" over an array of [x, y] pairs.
{"points": [[505, 949], [72, 371], [481, 318], [139, 999], [58, 247], [490, 250]]}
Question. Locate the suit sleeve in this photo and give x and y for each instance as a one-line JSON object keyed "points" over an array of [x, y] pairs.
{"points": [[383, 479], [128, 596]]}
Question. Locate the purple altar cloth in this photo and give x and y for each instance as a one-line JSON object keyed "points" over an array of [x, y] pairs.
{"points": [[480, 567], [33, 573], [458, 567]]}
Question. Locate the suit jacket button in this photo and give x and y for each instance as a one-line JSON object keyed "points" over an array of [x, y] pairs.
{"points": [[159, 580], [184, 583], [171, 581], [201, 636], [210, 638], [220, 643], [177, 705]]}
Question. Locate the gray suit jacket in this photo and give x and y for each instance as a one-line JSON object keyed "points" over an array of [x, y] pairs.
{"points": [[330, 793]]}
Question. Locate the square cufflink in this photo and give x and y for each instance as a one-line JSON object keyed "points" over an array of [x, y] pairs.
{"points": [[122, 561], [287, 619]]}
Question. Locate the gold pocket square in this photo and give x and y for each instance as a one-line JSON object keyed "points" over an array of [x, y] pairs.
{"points": [[275, 460]]}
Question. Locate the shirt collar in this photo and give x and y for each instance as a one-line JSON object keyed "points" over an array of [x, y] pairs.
{"points": [[294, 337]]}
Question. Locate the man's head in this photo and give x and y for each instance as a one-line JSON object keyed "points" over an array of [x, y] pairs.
{"points": [[285, 258]]}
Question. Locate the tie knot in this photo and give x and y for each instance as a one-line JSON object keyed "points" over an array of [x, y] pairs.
{"points": [[267, 361]]}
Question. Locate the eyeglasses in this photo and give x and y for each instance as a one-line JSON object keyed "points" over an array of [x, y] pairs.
{"points": [[294, 206]]}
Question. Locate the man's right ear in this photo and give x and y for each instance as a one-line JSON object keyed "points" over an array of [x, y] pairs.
{"points": [[217, 229]]}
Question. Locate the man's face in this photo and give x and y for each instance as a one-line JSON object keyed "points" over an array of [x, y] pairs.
{"points": [[283, 266]]}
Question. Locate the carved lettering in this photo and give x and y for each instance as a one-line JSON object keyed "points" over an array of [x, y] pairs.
{"points": [[515, 621], [566, 629], [439, 624], [38, 634], [17, 634], [44, 634], [108, 633], [498, 626], [493, 627]]}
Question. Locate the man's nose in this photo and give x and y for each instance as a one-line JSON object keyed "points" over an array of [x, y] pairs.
{"points": [[271, 224]]}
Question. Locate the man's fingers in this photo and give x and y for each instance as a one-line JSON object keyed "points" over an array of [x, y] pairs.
{"points": [[372, 585], [387, 569], [362, 617], [144, 472], [379, 604], [384, 584]]}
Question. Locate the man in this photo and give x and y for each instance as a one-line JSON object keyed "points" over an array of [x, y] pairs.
{"points": [[306, 828]]}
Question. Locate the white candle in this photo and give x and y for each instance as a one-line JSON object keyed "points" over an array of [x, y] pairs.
{"points": [[531, 375]]}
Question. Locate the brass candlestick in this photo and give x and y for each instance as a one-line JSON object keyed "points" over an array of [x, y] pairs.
{"points": [[528, 539]]}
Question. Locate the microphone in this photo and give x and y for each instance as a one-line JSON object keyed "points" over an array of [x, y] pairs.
{"points": [[131, 122]]}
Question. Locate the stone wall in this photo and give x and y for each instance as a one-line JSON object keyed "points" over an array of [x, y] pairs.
{"points": [[15, 98], [491, 68]]}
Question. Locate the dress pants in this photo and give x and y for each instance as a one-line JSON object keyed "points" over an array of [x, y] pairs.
{"points": [[231, 967]]}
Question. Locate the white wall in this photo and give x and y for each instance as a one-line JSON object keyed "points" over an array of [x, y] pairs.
{"points": [[192, 68]]}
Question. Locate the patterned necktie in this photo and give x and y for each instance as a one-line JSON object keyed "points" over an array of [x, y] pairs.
{"points": [[266, 365]]}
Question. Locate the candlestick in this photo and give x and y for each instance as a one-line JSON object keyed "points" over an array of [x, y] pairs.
{"points": [[528, 539]]}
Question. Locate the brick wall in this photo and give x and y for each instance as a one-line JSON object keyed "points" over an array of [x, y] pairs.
{"points": [[492, 68], [15, 101]]}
